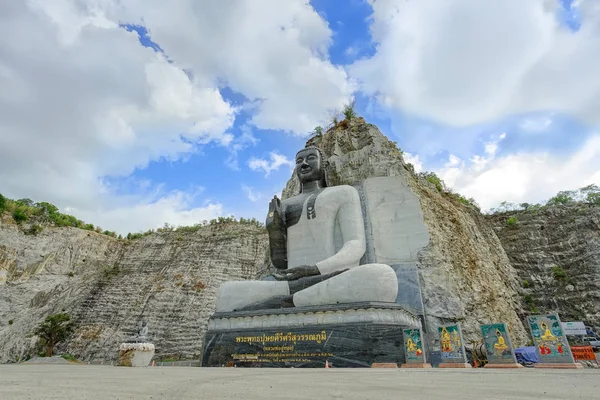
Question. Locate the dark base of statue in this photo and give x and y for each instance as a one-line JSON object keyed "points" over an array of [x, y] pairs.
{"points": [[349, 335]]}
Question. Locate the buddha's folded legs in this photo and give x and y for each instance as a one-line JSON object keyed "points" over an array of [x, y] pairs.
{"points": [[236, 295], [370, 282]]}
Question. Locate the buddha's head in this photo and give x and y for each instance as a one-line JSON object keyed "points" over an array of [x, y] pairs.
{"points": [[310, 166]]}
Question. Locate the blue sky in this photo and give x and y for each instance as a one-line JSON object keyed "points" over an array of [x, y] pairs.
{"points": [[182, 109]]}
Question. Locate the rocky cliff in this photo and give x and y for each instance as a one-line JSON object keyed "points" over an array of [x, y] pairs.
{"points": [[556, 253], [465, 273], [170, 279]]}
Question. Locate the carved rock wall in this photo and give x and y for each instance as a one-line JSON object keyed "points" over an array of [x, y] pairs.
{"points": [[556, 253], [170, 279]]}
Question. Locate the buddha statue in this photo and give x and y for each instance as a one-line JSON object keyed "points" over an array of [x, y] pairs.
{"points": [[141, 336], [410, 345], [446, 341], [500, 344], [316, 240], [547, 335]]}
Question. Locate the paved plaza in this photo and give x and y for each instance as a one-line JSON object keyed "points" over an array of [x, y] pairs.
{"points": [[81, 382]]}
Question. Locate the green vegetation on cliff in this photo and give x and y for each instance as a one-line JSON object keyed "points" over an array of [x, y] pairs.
{"points": [[55, 329], [44, 213], [586, 195], [220, 221]]}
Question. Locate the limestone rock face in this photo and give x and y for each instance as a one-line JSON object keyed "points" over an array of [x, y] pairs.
{"points": [[465, 273], [170, 279], [556, 253]]}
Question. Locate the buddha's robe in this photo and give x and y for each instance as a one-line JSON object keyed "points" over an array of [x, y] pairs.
{"points": [[333, 239]]}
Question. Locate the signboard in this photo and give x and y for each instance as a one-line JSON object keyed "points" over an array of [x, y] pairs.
{"points": [[451, 344], [351, 345], [574, 328], [413, 346], [548, 337], [498, 344], [583, 353]]}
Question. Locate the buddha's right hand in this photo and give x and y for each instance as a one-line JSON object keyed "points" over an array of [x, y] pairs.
{"points": [[274, 216]]}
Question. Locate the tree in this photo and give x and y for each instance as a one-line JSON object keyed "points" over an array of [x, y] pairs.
{"points": [[2, 203], [55, 329], [564, 197], [318, 131], [512, 221], [47, 208], [20, 215], [432, 178], [334, 118], [349, 112], [26, 202], [592, 198]]}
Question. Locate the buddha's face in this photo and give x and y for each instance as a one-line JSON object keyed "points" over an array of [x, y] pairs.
{"points": [[309, 166]]}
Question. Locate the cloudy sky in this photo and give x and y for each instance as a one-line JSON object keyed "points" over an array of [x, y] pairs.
{"points": [[133, 113]]}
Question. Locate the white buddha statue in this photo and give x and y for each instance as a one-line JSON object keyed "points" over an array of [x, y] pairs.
{"points": [[317, 239]]}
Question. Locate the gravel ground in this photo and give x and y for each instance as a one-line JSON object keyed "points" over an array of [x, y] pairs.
{"points": [[65, 382]]}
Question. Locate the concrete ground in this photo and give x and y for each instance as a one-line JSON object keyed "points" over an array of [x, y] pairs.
{"points": [[65, 382]]}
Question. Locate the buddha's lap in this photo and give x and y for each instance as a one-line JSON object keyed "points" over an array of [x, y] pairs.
{"points": [[368, 282]]}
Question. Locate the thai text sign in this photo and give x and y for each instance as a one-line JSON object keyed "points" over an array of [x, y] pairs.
{"points": [[352, 345], [451, 344], [574, 328], [583, 353], [413, 346], [548, 337], [498, 344]]}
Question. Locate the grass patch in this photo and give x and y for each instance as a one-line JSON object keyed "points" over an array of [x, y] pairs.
{"points": [[71, 358], [559, 273], [109, 272]]}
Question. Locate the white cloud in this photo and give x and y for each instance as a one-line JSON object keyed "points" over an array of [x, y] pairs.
{"points": [[274, 52], [276, 161], [240, 143], [465, 62], [414, 160], [83, 100], [251, 193], [535, 125], [351, 52], [523, 177], [176, 208], [480, 162]]}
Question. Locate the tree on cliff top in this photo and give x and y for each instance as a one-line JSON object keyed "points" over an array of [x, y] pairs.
{"points": [[349, 111], [53, 330]]}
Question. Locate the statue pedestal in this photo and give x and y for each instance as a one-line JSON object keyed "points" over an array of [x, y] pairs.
{"points": [[455, 365], [559, 365], [420, 365], [343, 335], [135, 354], [490, 365]]}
